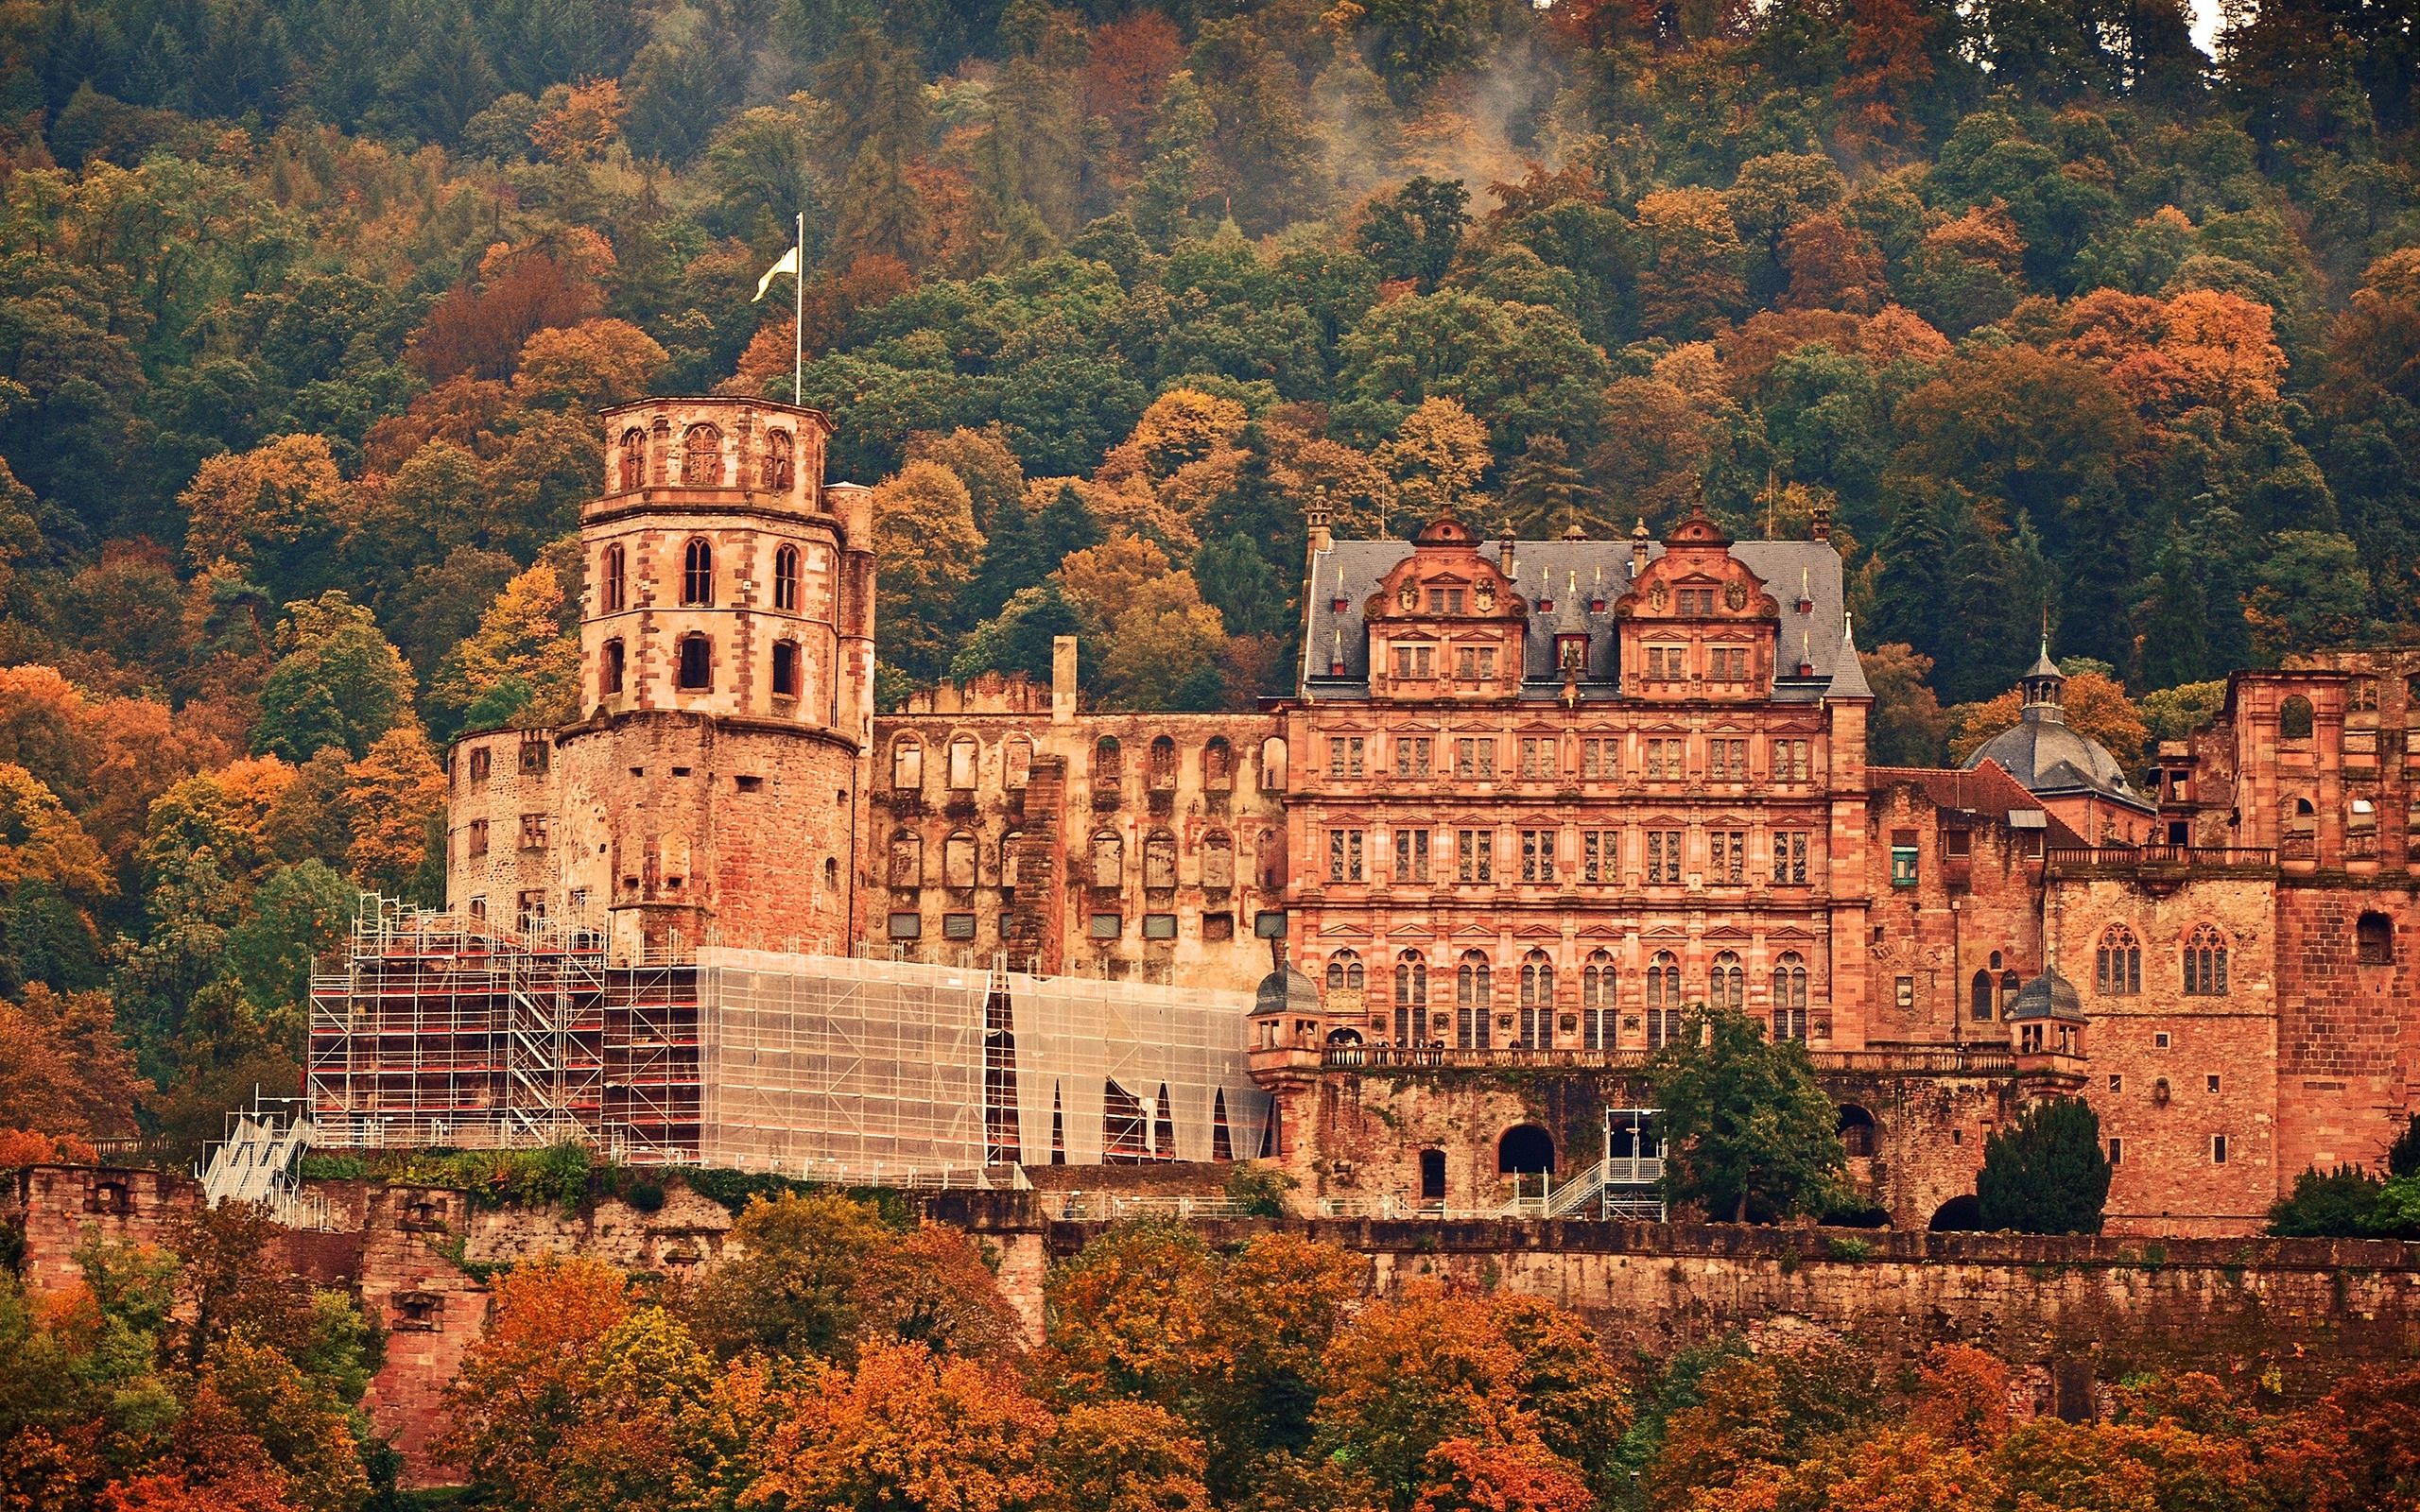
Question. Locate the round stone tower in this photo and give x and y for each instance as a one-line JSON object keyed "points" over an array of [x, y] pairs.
{"points": [[712, 791]]}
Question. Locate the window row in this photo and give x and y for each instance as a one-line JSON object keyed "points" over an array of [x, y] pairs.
{"points": [[1476, 988], [478, 763], [697, 583], [693, 667], [962, 755], [701, 458], [1104, 861], [2117, 962], [1540, 856], [1214, 926], [1540, 758]]}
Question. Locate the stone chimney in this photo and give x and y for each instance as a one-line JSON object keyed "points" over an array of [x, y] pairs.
{"points": [[1062, 679]]}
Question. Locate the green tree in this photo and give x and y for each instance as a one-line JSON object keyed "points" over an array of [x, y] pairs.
{"points": [[1415, 232], [1747, 1131], [2046, 1173], [339, 682], [1908, 727]]}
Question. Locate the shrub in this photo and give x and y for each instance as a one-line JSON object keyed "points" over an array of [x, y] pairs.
{"points": [[2339, 1204], [1259, 1190], [647, 1196]]}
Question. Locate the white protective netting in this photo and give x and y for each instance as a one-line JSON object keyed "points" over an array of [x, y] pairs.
{"points": [[827, 1066], [1075, 1035]]}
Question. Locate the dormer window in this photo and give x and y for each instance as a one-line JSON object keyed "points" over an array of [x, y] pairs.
{"points": [[1444, 601], [1695, 601]]}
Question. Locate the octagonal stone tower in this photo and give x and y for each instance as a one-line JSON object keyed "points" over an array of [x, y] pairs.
{"points": [[712, 792]]}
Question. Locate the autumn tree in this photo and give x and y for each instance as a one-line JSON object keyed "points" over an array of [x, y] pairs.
{"points": [[2093, 703], [909, 1427], [62, 1068], [1695, 271], [517, 1395], [926, 533], [339, 682], [1909, 727], [521, 665]]}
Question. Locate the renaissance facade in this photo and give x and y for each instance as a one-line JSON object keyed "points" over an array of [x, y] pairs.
{"points": [[1528, 803]]}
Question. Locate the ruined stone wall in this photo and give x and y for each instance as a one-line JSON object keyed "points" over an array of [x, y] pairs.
{"points": [[2348, 1061], [502, 827]]}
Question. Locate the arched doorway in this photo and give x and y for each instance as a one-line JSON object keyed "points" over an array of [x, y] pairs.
{"points": [[1960, 1214], [1855, 1129], [1525, 1150]]}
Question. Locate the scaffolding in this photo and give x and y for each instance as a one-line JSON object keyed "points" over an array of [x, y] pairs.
{"points": [[438, 1031]]}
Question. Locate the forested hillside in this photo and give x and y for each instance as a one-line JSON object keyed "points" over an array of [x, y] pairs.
{"points": [[305, 308]]}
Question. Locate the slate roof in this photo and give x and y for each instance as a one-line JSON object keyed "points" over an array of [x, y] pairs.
{"points": [[1352, 571], [1984, 791], [2054, 759]]}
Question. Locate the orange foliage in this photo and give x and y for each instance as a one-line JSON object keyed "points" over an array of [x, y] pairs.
{"points": [[907, 1428], [587, 121], [1830, 267], [1126, 73], [480, 332], [1983, 235], [522, 1378], [1464, 1476], [22, 1148], [462, 409]]}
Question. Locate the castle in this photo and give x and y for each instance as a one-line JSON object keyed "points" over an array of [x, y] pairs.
{"points": [[1527, 803]]}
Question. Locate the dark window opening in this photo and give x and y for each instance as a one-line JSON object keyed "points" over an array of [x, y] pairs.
{"points": [[785, 669], [1525, 1150], [1432, 1176], [697, 664]]}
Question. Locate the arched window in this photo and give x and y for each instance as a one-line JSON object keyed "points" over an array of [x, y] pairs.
{"points": [[957, 860], [697, 573], [696, 665], [1537, 1000], [906, 764], [2301, 817], [609, 669], [1979, 998], [2118, 965], [786, 579], [1109, 859], [1109, 765], [1663, 999], [1726, 982], [1525, 1150], [1411, 999], [1218, 861], [701, 457], [2294, 718], [785, 669], [1159, 861], [1009, 857], [1790, 996], [2373, 940], [1217, 765], [1161, 773], [1597, 1002], [634, 460], [1344, 972], [780, 461], [2010, 982], [962, 754], [1272, 765], [907, 859], [2360, 824], [613, 580], [1474, 1001], [2205, 962]]}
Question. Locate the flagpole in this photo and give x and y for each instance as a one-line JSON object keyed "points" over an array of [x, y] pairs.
{"points": [[798, 316]]}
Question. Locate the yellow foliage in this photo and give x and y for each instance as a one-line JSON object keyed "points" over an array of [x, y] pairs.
{"points": [[1436, 457], [393, 792], [270, 496], [1184, 425], [520, 639], [1102, 582]]}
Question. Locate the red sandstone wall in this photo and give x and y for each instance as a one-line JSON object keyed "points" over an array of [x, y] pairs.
{"points": [[2348, 1060]]}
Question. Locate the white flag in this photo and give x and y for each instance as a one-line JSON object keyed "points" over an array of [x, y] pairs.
{"points": [[787, 265]]}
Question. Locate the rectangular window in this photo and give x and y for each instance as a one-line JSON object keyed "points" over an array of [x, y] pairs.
{"points": [[1159, 926], [2159, 1040], [905, 925], [1217, 926], [477, 842], [1907, 992], [1412, 755], [1665, 761], [1726, 760], [1345, 756], [1666, 663], [1106, 926], [2117, 1081], [1344, 855], [533, 832], [1474, 756], [1411, 855], [480, 758], [1727, 857], [479, 909], [531, 913], [2116, 1149], [533, 758], [2214, 1081], [2217, 1149], [1538, 756], [1730, 663], [1793, 762], [1903, 858], [1474, 855], [1790, 858], [1600, 756], [1601, 855], [958, 927], [1664, 857], [1446, 601], [1537, 856]]}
